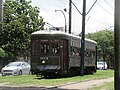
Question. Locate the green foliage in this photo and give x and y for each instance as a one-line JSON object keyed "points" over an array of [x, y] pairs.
{"points": [[19, 21], [2, 53], [105, 44]]}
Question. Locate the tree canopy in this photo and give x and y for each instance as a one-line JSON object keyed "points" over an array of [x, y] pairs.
{"points": [[20, 19]]}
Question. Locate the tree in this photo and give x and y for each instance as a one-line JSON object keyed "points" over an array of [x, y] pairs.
{"points": [[20, 19], [105, 45], [2, 53]]}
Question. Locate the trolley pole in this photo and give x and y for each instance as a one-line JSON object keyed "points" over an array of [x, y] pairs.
{"points": [[117, 46], [83, 39]]}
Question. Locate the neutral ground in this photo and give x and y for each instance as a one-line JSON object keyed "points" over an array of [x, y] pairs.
{"points": [[85, 85]]}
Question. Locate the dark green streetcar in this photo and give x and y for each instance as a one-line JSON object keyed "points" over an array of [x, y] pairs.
{"points": [[58, 53]]}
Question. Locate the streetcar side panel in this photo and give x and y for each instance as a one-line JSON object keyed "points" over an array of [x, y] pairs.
{"points": [[75, 56]]}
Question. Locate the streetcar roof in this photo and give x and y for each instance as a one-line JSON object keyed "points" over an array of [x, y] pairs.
{"points": [[59, 32]]}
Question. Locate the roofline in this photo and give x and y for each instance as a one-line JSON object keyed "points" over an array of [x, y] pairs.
{"points": [[59, 32]]}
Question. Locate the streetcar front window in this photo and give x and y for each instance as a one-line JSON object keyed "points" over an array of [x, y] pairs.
{"points": [[55, 49], [45, 48], [35, 47]]}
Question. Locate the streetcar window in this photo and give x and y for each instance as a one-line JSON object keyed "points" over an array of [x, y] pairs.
{"points": [[89, 53], [86, 53], [93, 53], [45, 48], [35, 49], [55, 49], [76, 51]]}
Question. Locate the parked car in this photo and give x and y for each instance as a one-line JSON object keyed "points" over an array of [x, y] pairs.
{"points": [[102, 65], [16, 68]]}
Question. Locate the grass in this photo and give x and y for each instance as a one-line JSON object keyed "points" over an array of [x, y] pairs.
{"points": [[106, 86], [33, 80]]}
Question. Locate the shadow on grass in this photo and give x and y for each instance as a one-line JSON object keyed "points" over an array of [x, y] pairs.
{"points": [[57, 77]]}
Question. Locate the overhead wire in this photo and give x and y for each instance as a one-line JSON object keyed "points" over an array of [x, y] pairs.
{"points": [[61, 1], [108, 4], [104, 9], [98, 20]]}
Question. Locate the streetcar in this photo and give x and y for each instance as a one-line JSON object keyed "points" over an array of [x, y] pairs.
{"points": [[58, 53]]}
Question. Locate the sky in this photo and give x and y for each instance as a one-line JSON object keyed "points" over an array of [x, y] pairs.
{"points": [[100, 17]]}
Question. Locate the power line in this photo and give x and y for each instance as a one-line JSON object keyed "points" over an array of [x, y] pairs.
{"points": [[98, 20], [62, 2], [108, 4], [104, 9]]}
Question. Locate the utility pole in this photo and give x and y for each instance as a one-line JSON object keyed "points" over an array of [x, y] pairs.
{"points": [[83, 39], [82, 51], [1, 14], [117, 46], [70, 12]]}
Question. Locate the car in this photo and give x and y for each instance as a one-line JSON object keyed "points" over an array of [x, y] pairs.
{"points": [[16, 68], [102, 65]]}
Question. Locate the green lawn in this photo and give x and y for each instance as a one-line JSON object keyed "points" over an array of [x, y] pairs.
{"points": [[33, 80]]}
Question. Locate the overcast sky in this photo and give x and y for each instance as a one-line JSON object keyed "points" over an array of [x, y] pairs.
{"points": [[101, 16]]}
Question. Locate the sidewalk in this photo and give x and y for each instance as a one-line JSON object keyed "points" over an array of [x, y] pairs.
{"points": [[86, 84]]}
